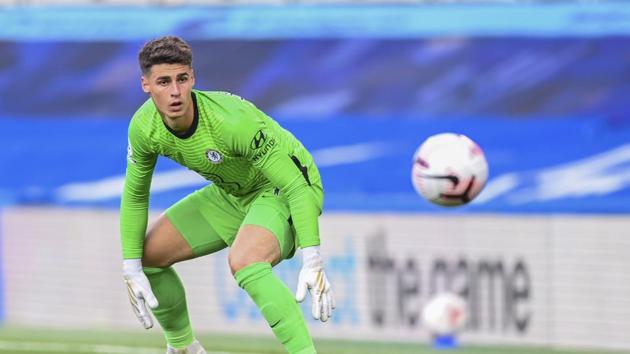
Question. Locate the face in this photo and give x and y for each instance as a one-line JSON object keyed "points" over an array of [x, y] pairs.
{"points": [[169, 86]]}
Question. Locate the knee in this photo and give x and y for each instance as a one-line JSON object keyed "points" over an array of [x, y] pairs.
{"points": [[239, 260], [148, 260]]}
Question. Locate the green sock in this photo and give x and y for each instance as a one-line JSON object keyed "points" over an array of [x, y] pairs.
{"points": [[172, 313], [278, 306]]}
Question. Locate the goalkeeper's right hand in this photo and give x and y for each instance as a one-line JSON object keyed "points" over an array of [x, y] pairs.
{"points": [[139, 291]]}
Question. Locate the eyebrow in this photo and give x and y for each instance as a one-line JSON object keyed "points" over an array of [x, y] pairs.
{"points": [[166, 77]]}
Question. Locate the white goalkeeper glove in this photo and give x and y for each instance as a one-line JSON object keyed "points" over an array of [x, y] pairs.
{"points": [[139, 291], [312, 278]]}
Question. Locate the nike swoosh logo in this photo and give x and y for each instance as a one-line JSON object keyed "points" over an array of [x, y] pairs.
{"points": [[463, 196], [453, 179]]}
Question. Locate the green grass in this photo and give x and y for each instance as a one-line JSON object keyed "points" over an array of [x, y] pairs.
{"points": [[39, 341]]}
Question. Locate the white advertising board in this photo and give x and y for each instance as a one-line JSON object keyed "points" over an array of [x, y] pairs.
{"points": [[552, 280]]}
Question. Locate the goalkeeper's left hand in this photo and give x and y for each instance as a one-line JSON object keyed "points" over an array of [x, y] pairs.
{"points": [[312, 278]]}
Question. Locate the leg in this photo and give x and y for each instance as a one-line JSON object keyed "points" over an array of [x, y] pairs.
{"points": [[265, 238], [180, 234], [253, 244], [164, 246]]}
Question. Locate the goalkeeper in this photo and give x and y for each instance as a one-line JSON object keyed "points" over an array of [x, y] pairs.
{"points": [[264, 202]]}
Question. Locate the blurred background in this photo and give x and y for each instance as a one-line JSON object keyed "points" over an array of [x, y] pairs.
{"points": [[541, 256]]}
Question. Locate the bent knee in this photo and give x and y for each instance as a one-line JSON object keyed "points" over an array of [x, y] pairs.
{"points": [[156, 262], [238, 260]]}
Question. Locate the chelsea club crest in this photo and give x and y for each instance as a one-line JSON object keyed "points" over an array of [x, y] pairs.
{"points": [[214, 156]]}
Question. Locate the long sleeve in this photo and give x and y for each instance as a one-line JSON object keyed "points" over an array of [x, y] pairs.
{"points": [[135, 199], [281, 170]]}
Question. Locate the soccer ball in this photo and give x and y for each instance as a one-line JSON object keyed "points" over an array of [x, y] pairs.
{"points": [[444, 314], [449, 169]]}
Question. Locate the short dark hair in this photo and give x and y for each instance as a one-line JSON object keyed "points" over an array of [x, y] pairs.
{"points": [[164, 50]]}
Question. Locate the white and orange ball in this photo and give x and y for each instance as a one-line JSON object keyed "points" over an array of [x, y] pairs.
{"points": [[449, 169]]}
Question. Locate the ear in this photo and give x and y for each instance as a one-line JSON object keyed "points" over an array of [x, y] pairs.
{"points": [[145, 84], [192, 76]]}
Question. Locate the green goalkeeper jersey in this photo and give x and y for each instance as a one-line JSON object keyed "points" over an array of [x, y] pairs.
{"points": [[231, 143]]}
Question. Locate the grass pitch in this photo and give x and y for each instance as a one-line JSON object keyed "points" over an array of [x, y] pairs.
{"points": [[50, 341]]}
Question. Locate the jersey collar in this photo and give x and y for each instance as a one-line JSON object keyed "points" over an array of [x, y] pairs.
{"points": [[193, 127]]}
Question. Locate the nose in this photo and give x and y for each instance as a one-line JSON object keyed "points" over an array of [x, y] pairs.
{"points": [[175, 90]]}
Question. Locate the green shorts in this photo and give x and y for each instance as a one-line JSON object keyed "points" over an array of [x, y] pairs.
{"points": [[209, 219]]}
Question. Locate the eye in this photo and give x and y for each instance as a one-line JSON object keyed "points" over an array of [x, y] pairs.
{"points": [[182, 79], [162, 82]]}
